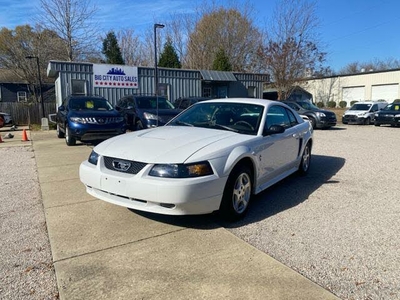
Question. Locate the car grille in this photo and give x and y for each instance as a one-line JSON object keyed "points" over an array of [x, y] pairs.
{"points": [[122, 165], [102, 120]]}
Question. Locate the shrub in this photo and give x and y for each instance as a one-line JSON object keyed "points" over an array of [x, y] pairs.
{"points": [[331, 104], [342, 104], [320, 104], [396, 101], [352, 102]]}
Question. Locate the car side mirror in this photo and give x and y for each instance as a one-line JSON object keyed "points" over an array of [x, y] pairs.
{"points": [[274, 129], [61, 108], [130, 107]]}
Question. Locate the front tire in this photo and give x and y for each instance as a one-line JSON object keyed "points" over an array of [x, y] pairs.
{"points": [[237, 194], [139, 125], [69, 140], [305, 160], [367, 121]]}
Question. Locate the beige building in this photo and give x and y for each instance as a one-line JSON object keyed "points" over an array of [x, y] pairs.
{"points": [[370, 85]]}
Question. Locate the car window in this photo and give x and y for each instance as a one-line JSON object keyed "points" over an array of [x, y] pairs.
{"points": [[360, 106], [277, 115], [292, 118], [374, 108], [151, 103], [89, 104], [293, 105], [236, 117]]}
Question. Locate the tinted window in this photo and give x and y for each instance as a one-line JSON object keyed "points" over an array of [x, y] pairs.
{"points": [[89, 104], [151, 103], [359, 106], [277, 115]]}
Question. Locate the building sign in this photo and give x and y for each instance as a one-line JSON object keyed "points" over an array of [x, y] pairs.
{"points": [[116, 76]]}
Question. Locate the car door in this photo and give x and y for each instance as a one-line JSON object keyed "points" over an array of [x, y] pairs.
{"points": [[278, 152]]}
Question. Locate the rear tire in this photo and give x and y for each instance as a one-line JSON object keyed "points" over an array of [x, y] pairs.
{"points": [[305, 160], [69, 140], [377, 124], [237, 194]]}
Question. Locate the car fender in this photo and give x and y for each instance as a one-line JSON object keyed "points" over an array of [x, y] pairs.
{"points": [[235, 156]]}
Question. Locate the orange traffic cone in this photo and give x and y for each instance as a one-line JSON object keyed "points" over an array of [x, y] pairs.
{"points": [[1, 141], [24, 136]]}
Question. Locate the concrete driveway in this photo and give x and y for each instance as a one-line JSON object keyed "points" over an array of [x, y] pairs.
{"points": [[103, 251]]}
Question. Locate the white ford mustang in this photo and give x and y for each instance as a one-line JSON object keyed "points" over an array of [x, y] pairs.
{"points": [[213, 156]]}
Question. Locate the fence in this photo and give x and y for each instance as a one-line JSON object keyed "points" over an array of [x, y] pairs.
{"points": [[27, 113]]}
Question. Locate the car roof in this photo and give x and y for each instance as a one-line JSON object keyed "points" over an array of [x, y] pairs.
{"points": [[263, 102]]}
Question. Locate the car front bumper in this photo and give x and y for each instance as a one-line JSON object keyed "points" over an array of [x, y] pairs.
{"points": [[187, 196], [93, 132]]}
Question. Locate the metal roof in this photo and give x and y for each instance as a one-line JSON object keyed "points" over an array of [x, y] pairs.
{"points": [[217, 75]]}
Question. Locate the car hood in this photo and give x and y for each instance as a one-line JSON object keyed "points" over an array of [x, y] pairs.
{"points": [[171, 144]]}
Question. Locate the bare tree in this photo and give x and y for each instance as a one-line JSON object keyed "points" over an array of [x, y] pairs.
{"points": [[374, 65], [72, 21], [23, 41], [198, 39], [291, 51]]}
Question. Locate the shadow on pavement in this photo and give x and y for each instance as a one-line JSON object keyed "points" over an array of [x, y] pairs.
{"points": [[291, 191], [280, 197]]}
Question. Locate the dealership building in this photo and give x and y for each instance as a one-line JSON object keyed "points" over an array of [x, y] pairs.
{"points": [[364, 86], [115, 81]]}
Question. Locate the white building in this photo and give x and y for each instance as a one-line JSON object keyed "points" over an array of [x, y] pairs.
{"points": [[370, 85]]}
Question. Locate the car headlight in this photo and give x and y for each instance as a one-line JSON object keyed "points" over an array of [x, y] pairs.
{"points": [[93, 158], [150, 116], [376, 115], [78, 120], [181, 170], [320, 114]]}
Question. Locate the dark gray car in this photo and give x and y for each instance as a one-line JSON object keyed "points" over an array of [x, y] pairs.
{"points": [[319, 118], [142, 112]]}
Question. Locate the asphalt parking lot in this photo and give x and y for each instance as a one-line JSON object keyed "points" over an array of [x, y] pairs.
{"points": [[331, 233]]}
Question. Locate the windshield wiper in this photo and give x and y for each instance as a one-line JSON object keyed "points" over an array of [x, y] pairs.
{"points": [[183, 123], [225, 127]]}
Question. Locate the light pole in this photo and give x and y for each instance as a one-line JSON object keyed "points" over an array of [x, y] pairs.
{"points": [[155, 58], [155, 65], [40, 81]]}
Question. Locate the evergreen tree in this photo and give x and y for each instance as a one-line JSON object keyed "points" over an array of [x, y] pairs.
{"points": [[111, 49], [221, 61], [169, 58]]}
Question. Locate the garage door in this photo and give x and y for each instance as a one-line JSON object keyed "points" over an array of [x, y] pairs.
{"points": [[387, 92], [353, 94]]}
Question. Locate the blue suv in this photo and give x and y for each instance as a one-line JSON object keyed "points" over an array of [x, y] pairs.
{"points": [[88, 119]]}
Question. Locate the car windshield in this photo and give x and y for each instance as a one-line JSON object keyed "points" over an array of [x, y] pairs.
{"points": [[89, 104], [151, 103], [236, 117], [360, 106], [392, 107], [307, 105]]}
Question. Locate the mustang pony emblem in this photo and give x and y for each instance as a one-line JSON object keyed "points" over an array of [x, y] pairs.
{"points": [[121, 165]]}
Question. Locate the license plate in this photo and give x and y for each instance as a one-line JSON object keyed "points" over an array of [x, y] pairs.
{"points": [[113, 185]]}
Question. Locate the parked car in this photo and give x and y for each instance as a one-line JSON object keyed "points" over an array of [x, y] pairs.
{"points": [[319, 118], [362, 112], [8, 120], [142, 112], [88, 119], [212, 157], [183, 103], [388, 115]]}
